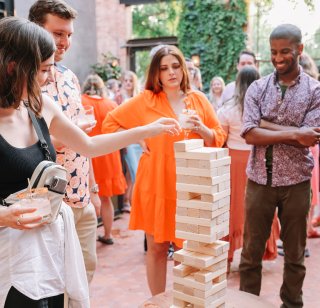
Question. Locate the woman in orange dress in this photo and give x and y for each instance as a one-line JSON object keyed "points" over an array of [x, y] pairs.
{"points": [[167, 93], [107, 168]]}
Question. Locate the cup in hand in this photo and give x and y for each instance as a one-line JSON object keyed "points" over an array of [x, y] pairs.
{"points": [[184, 120], [39, 199], [86, 116]]}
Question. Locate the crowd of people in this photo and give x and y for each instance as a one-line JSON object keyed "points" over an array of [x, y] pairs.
{"points": [[270, 125]]}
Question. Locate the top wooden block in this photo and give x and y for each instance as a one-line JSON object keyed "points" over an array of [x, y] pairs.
{"points": [[186, 145], [204, 153]]}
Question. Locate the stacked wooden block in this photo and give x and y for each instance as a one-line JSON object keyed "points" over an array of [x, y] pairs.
{"points": [[202, 219]]}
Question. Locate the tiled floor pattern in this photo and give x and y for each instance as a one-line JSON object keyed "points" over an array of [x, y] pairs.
{"points": [[120, 280]]}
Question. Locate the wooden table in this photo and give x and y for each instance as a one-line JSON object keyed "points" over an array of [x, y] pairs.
{"points": [[234, 299]]}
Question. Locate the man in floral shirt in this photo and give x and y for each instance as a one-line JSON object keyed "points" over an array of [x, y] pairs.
{"points": [[57, 18], [281, 116]]}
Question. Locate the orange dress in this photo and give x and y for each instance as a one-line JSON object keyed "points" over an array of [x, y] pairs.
{"points": [[154, 196], [107, 168]]}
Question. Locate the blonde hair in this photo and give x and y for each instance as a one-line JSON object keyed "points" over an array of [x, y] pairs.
{"points": [[212, 97], [134, 77], [94, 85]]}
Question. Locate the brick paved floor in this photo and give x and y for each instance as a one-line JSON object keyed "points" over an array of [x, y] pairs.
{"points": [[120, 280]]}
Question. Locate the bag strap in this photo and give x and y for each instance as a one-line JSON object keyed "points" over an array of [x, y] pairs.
{"points": [[43, 142]]}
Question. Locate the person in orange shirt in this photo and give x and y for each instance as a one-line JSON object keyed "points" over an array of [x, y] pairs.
{"points": [[107, 168], [167, 92]]}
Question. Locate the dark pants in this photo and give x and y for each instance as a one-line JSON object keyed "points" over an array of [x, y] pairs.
{"points": [[293, 204], [15, 299]]}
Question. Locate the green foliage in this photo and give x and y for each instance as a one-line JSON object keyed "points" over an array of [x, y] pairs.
{"points": [[155, 20], [214, 31], [108, 68]]}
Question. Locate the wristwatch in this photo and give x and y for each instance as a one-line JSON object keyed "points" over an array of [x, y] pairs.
{"points": [[94, 189]]}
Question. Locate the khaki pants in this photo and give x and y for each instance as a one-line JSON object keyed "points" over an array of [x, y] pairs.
{"points": [[293, 204], [86, 225]]}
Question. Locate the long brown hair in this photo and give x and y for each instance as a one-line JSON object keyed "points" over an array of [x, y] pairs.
{"points": [[245, 77], [23, 46], [153, 81]]}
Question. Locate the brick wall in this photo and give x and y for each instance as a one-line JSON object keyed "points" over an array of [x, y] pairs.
{"points": [[114, 27]]}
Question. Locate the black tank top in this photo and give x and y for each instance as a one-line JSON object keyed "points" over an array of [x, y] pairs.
{"points": [[18, 164]]}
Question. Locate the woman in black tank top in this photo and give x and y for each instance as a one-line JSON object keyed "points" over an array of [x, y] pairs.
{"points": [[26, 58]]}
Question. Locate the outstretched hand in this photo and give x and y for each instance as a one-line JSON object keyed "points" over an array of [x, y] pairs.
{"points": [[11, 217], [168, 126]]}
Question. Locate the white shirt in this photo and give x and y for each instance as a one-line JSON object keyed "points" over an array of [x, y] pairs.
{"points": [[230, 116], [228, 92], [44, 262]]}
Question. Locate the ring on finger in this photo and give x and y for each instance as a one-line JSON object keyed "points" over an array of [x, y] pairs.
{"points": [[18, 221]]}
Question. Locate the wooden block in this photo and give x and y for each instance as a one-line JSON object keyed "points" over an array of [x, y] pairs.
{"points": [[189, 281], [192, 228], [178, 287], [187, 145], [213, 300], [196, 221], [208, 164], [205, 230], [222, 218], [178, 303], [219, 232], [181, 162], [184, 195], [213, 214], [224, 201], [198, 260], [200, 189], [215, 289], [188, 290], [219, 265], [198, 204], [220, 277], [182, 270], [214, 249], [181, 211], [181, 226], [216, 196], [193, 212], [204, 153], [214, 172], [205, 276], [193, 179]]}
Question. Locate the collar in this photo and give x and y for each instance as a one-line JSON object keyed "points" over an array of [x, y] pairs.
{"points": [[293, 82]]}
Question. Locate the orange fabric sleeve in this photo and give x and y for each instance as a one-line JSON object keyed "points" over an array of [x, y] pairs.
{"points": [[126, 116]]}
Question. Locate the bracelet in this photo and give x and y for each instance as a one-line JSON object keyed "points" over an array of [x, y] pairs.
{"points": [[94, 189]]}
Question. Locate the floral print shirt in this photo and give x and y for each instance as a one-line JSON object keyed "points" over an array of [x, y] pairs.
{"points": [[300, 107], [65, 90]]}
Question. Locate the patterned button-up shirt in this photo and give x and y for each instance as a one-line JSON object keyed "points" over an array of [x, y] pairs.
{"points": [[66, 92], [300, 107]]}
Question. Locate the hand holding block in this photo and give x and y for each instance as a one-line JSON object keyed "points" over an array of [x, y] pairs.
{"points": [[187, 145]]}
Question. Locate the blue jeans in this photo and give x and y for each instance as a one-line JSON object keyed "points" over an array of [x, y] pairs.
{"points": [[132, 157]]}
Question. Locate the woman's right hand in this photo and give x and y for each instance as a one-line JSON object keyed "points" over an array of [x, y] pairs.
{"points": [[168, 126], [11, 217]]}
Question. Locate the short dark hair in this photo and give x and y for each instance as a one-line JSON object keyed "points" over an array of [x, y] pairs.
{"points": [[24, 45], [287, 31], [247, 52], [41, 8]]}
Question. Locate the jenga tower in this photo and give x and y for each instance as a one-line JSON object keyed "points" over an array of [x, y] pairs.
{"points": [[202, 218]]}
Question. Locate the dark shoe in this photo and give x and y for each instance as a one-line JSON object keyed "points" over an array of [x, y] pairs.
{"points": [[281, 253], [170, 252], [306, 253], [106, 241]]}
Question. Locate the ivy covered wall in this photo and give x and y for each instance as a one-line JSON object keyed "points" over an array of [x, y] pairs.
{"points": [[214, 30]]}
